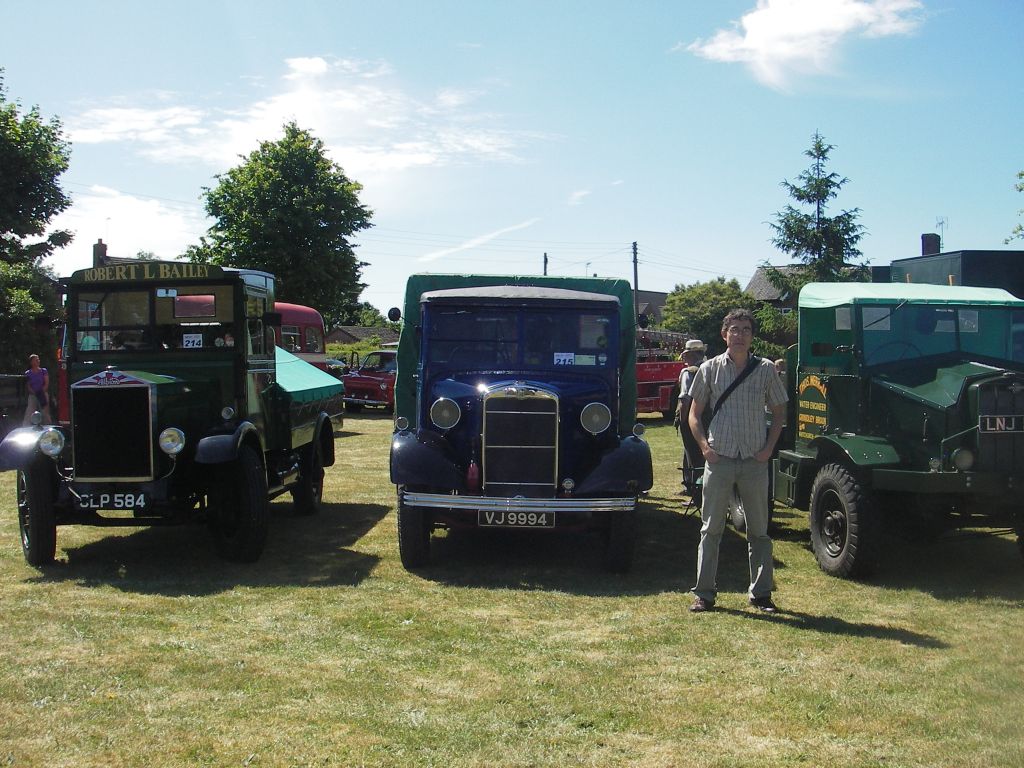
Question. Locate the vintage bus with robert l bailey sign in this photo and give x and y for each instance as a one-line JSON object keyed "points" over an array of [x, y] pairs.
{"points": [[182, 408]]}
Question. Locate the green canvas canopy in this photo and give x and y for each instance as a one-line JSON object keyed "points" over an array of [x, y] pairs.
{"points": [[304, 382], [824, 295]]}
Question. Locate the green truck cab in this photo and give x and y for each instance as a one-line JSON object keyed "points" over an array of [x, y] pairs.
{"points": [[515, 407], [182, 408], [906, 402]]}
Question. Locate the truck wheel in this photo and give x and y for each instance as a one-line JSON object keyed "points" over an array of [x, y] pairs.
{"points": [[843, 523], [309, 492], [620, 541], [242, 516], [413, 535], [36, 517]]}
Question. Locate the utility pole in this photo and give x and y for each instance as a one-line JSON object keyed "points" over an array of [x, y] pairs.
{"points": [[636, 305], [545, 262]]}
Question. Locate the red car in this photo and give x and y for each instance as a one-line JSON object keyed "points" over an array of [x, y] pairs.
{"points": [[372, 382]]}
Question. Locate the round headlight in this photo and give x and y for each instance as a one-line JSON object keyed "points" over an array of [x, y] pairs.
{"points": [[51, 442], [445, 413], [963, 459], [172, 440], [596, 418]]}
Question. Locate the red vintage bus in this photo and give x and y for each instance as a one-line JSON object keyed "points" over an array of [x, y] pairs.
{"points": [[302, 333]]}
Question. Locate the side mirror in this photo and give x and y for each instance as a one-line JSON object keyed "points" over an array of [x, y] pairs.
{"points": [[273, 319], [394, 314]]}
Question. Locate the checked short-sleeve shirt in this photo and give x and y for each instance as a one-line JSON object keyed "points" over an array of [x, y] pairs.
{"points": [[738, 429]]}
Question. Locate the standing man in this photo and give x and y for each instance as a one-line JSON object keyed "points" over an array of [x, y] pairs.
{"points": [[693, 356], [38, 387], [736, 453]]}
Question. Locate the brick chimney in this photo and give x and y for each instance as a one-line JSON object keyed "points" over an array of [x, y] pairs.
{"points": [[931, 244], [99, 253]]}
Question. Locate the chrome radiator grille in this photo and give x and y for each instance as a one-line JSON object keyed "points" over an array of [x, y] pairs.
{"points": [[520, 443], [1001, 427], [112, 431]]}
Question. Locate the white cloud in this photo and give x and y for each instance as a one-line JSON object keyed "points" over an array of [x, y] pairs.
{"points": [[367, 121], [576, 198], [476, 242], [130, 224], [780, 38]]}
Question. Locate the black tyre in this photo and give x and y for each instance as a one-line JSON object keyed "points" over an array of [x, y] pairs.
{"points": [[844, 525], [308, 493], [413, 535], [241, 518], [36, 516], [620, 541]]}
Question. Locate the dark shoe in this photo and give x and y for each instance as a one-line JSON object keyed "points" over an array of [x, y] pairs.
{"points": [[700, 605], [764, 604]]}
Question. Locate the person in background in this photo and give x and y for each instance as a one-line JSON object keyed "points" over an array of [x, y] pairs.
{"points": [[737, 453], [38, 387], [693, 356]]}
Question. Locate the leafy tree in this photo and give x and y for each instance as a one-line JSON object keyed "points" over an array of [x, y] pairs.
{"points": [[289, 210], [33, 155], [698, 309], [1017, 233], [824, 247]]}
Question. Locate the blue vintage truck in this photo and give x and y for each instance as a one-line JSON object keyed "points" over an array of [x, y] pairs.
{"points": [[515, 407]]}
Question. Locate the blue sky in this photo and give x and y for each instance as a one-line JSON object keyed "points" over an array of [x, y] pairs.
{"points": [[488, 133]]}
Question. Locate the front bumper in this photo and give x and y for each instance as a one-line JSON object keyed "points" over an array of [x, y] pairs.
{"points": [[462, 503]]}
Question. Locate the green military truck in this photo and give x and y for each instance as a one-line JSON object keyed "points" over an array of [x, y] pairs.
{"points": [[906, 401], [182, 408], [515, 407]]}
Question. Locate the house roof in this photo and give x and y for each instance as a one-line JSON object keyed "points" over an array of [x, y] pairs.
{"points": [[761, 288], [349, 334]]}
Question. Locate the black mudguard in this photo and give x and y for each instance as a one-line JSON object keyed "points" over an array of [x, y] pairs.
{"points": [[19, 448], [424, 459], [623, 471], [220, 449]]}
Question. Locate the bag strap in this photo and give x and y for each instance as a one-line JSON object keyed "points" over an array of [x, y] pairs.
{"points": [[752, 363]]}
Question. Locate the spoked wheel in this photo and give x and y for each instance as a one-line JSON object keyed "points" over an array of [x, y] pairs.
{"points": [[414, 528], [843, 523], [36, 516], [308, 493], [241, 518]]}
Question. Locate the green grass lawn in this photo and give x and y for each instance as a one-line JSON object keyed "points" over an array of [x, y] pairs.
{"points": [[140, 647]]}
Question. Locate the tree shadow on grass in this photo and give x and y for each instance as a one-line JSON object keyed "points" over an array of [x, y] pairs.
{"points": [[310, 551], [831, 625], [664, 561]]}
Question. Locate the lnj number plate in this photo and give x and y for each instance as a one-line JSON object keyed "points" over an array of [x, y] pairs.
{"points": [[490, 518], [1013, 423]]}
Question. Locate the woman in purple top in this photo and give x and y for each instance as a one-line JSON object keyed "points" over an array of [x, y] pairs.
{"points": [[38, 386]]}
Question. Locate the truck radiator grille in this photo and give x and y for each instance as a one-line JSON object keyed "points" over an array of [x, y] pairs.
{"points": [[1000, 451], [520, 444], [112, 433]]}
